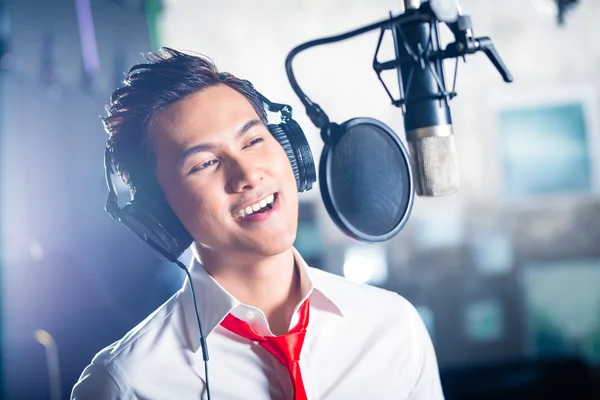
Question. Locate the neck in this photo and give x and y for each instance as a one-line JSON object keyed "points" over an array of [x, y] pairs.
{"points": [[269, 283]]}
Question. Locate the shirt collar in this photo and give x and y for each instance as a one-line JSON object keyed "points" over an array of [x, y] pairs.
{"points": [[214, 302]]}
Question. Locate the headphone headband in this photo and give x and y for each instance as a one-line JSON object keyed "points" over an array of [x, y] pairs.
{"points": [[285, 110]]}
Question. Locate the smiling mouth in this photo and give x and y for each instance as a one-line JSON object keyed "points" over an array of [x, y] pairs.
{"points": [[262, 206]]}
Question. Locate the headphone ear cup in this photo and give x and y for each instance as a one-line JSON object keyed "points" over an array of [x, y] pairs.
{"points": [[280, 135], [291, 137], [156, 225]]}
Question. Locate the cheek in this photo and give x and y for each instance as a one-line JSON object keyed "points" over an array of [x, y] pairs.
{"points": [[190, 204], [199, 208], [198, 204], [202, 215]]}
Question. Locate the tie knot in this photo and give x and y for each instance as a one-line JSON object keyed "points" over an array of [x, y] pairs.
{"points": [[286, 348]]}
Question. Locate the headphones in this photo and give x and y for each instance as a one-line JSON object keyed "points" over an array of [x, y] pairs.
{"points": [[155, 223]]}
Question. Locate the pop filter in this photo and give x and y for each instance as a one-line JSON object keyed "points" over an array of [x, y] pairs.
{"points": [[365, 174], [365, 179]]}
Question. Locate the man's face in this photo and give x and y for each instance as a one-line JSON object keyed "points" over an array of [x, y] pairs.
{"points": [[215, 158]]}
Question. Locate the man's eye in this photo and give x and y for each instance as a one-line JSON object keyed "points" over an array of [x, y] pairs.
{"points": [[203, 166], [255, 141]]}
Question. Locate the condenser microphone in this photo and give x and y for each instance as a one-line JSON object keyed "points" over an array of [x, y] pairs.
{"points": [[427, 119], [424, 96]]}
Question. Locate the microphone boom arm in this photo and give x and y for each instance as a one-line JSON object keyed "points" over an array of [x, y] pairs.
{"points": [[313, 110]]}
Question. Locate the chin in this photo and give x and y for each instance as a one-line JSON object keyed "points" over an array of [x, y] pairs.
{"points": [[275, 245]]}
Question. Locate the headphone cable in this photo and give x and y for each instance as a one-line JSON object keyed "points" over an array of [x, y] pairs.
{"points": [[202, 338]]}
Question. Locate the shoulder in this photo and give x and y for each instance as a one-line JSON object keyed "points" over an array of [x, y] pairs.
{"points": [[107, 375], [101, 381], [161, 321], [392, 327]]}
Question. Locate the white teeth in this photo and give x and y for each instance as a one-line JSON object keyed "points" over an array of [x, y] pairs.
{"points": [[254, 207], [239, 214]]}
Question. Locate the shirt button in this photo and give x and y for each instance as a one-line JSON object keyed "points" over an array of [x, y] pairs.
{"points": [[250, 314]]}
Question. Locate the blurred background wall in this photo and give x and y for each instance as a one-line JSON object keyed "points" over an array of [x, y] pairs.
{"points": [[506, 274]]}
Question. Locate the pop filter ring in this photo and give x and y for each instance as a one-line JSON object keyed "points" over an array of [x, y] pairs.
{"points": [[325, 180]]}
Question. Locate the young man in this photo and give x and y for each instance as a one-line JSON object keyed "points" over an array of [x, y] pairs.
{"points": [[182, 130]]}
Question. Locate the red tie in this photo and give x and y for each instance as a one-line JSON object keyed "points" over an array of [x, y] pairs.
{"points": [[286, 348]]}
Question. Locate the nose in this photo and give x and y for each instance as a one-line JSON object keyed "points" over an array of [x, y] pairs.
{"points": [[244, 174]]}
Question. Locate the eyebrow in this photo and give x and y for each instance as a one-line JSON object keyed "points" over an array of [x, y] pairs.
{"points": [[207, 146]]}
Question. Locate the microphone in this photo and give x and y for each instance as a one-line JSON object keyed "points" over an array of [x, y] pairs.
{"points": [[427, 119], [424, 97]]}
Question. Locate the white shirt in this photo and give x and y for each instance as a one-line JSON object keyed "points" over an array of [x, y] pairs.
{"points": [[361, 342]]}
